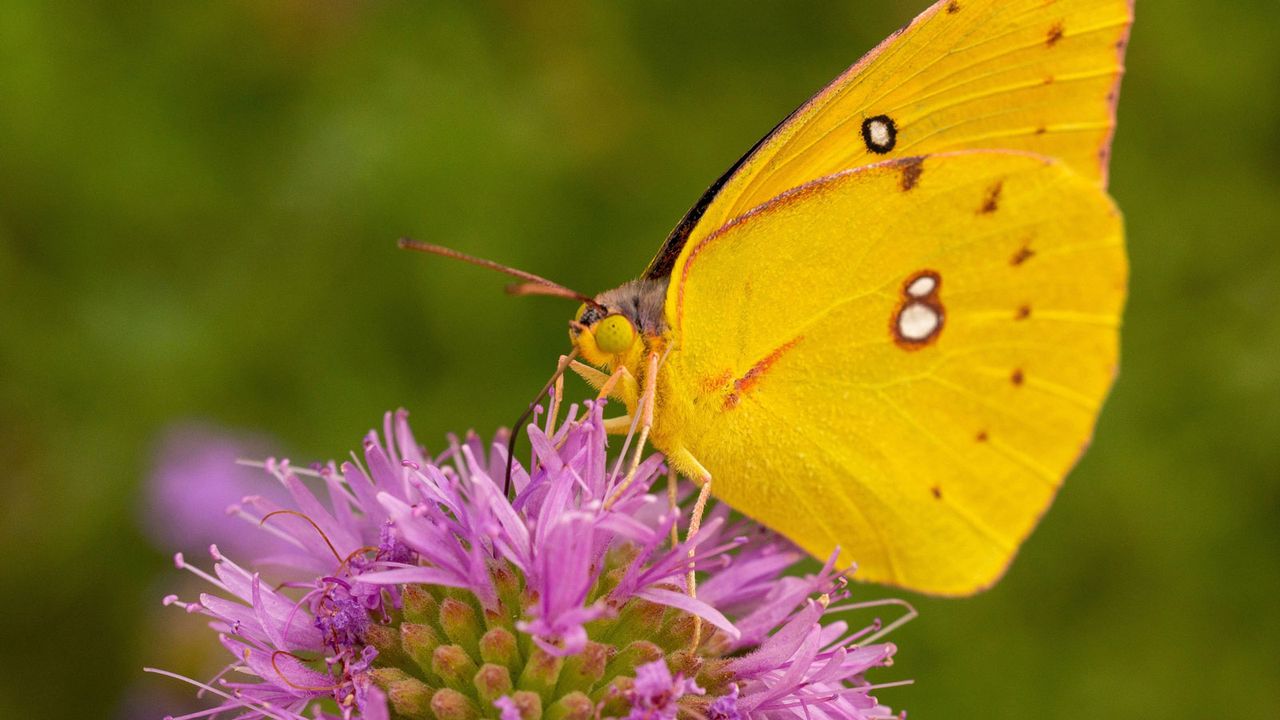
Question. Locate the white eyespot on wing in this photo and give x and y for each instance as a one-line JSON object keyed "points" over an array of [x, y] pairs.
{"points": [[918, 322], [879, 133], [919, 317], [922, 286]]}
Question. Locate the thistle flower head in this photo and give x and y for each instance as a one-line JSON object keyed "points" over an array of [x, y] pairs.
{"points": [[413, 587]]}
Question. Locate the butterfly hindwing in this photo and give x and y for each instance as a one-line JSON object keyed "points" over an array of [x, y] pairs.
{"points": [[903, 360]]}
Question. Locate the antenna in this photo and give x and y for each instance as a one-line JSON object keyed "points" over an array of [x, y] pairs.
{"points": [[532, 285]]}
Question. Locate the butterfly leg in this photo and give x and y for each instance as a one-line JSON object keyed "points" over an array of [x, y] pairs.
{"points": [[554, 411], [620, 385], [594, 377], [644, 406], [690, 466], [620, 425]]}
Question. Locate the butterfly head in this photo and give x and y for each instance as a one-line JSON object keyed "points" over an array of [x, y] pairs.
{"points": [[610, 330], [604, 336]]}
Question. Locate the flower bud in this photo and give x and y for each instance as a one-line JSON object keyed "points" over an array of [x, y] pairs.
{"points": [[454, 667], [420, 606], [460, 624], [498, 646], [449, 704], [419, 642], [492, 682], [410, 698], [541, 673], [574, 706]]}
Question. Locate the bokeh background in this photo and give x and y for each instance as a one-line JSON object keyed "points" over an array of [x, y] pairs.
{"points": [[198, 204]]}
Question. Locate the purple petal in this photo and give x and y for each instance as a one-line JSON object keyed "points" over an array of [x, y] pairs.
{"points": [[690, 605]]}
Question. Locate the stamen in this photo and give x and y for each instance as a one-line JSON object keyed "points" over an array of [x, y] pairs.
{"points": [[343, 565], [910, 614], [237, 698], [270, 467], [459, 462], [882, 686], [673, 502], [240, 512], [313, 524], [181, 563], [306, 688]]}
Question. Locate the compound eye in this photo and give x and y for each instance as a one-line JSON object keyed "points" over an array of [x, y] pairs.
{"points": [[615, 334], [582, 310]]}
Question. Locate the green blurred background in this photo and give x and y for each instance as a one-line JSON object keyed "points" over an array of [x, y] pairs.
{"points": [[198, 204]]}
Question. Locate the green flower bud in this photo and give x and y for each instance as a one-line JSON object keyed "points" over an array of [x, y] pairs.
{"points": [[420, 606], [419, 642], [454, 667], [498, 646], [387, 641], [410, 698], [529, 705], [492, 682], [461, 625], [574, 706], [449, 704], [584, 670], [634, 654], [541, 673]]}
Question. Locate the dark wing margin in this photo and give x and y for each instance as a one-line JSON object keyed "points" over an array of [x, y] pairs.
{"points": [[660, 267], [662, 263]]}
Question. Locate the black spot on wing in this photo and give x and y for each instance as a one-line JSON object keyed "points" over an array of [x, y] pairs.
{"points": [[1056, 32], [991, 201], [912, 169], [1024, 254]]}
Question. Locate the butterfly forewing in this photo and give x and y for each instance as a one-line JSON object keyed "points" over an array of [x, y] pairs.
{"points": [[1035, 75]]}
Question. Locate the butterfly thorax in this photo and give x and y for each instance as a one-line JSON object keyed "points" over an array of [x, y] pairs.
{"points": [[640, 300]]}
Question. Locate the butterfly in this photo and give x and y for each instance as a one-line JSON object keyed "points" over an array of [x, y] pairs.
{"points": [[890, 326]]}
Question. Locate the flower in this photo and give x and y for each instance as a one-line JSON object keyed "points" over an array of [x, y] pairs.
{"points": [[417, 588], [656, 695], [194, 477]]}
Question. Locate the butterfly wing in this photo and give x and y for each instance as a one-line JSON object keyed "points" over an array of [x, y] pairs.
{"points": [[916, 394], [1035, 75]]}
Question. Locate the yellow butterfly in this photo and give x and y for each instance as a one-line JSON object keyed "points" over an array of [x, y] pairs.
{"points": [[890, 326]]}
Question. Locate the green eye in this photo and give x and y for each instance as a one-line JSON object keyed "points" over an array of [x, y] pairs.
{"points": [[581, 309], [615, 334]]}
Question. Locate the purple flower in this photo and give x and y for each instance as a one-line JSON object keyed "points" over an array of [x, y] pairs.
{"points": [[507, 709], [194, 477], [407, 585], [725, 707], [656, 695]]}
